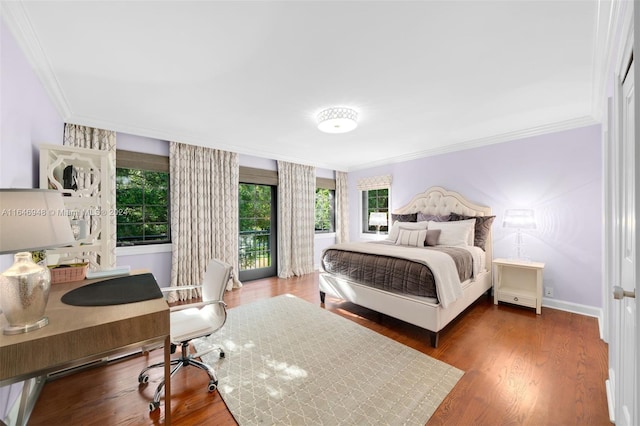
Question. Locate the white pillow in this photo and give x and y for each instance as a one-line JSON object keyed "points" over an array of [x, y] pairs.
{"points": [[395, 228], [457, 233], [413, 238]]}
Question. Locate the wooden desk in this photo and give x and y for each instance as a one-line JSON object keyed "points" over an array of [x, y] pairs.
{"points": [[77, 335]]}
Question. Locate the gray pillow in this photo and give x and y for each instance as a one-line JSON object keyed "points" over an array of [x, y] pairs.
{"points": [[432, 237], [426, 217], [410, 217]]}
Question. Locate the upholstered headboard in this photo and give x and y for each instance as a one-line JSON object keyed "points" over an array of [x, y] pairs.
{"points": [[440, 202]]}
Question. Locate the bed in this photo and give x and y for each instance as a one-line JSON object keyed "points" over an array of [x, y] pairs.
{"points": [[429, 311]]}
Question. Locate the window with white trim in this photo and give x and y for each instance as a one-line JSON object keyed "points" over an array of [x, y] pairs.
{"points": [[376, 193]]}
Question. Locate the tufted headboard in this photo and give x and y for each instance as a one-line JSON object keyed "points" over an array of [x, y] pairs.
{"points": [[438, 201]]}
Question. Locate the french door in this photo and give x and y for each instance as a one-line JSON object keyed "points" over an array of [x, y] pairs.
{"points": [[258, 239]]}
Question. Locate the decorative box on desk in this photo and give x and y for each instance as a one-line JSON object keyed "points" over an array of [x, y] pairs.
{"points": [[68, 273], [518, 282]]}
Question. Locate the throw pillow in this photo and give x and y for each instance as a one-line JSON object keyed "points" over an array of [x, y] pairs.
{"points": [[395, 228], [414, 238], [410, 217], [482, 227], [432, 237]]}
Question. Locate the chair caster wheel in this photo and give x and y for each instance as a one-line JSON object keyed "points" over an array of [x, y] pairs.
{"points": [[143, 378], [221, 354], [212, 386], [153, 406]]}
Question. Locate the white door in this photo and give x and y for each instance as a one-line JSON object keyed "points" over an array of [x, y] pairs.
{"points": [[623, 307]]}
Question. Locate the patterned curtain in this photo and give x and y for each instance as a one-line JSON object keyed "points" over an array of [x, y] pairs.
{"points": [[342, 208], [89, 137], [204, 212], [296, 218]]}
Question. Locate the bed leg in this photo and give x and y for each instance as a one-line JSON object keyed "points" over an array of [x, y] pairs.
{"points": [[434, 339], [322, 295]]}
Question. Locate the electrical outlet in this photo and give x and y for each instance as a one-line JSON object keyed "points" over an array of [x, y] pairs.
{"points": [[548, 291]]}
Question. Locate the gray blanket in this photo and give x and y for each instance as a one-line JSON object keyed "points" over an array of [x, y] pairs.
{"points": [[392, 273]]}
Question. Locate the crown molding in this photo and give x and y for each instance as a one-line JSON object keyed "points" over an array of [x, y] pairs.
{"points": [[17, 19], [490, 140], [193, 139]]}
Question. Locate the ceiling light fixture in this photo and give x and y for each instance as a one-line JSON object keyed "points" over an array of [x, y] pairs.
{"points": [[337, 120]]}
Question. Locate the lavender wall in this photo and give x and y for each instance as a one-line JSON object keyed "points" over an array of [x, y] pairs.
{"points": [[559, 175], [27, 119]]}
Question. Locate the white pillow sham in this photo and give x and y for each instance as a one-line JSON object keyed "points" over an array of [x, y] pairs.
{"points": [[457, 233], [415, 238], [395, 228]]}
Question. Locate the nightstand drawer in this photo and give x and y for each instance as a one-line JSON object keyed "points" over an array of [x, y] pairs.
{"points": [[517, 298]]}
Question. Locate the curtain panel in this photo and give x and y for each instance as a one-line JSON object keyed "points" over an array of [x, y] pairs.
{"points": [[296, 219], [204, 213], [342, 208], [92, 138]]}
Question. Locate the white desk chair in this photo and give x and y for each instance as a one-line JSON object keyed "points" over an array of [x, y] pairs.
{"points": [[195, 320]]}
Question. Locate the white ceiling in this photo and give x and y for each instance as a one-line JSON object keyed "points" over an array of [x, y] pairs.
{"points": [[425, 76]]}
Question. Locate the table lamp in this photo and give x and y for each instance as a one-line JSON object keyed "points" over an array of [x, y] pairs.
{"points": [[378, 219], [519, 219], [30, 219]]}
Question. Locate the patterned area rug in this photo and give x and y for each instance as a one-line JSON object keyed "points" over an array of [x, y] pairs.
{"points": [[290, 362]]}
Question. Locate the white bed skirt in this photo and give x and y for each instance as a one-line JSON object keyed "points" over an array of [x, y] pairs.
{"points": [[421, 311]]}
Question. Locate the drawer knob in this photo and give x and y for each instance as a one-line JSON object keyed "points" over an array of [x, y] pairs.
{"points": [[515, 299]]}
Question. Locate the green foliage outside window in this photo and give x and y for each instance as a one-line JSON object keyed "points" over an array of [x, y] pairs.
{"points": [[142, 200], [324, 210], [255, 226]]}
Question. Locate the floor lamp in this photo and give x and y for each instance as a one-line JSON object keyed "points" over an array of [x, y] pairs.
{"points": [[519, 219], [30, 219]]}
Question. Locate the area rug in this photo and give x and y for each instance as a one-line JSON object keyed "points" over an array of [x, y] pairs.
{"points": [[291, 362]]}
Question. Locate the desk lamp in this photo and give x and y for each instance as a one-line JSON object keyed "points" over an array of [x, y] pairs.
{"points": [[378, 219], [519, 219], [30, 219]]}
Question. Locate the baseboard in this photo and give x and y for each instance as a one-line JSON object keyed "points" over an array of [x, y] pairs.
{"points": [[576, 308]]}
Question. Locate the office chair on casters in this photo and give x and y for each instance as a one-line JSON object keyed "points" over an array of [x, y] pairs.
{"points": [[192, 321]]}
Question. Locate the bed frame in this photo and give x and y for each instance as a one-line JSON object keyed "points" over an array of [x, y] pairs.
{"points": [[415, 310]]}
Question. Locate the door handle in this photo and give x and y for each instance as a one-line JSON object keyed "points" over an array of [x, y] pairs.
{"points": [[619, 293]]}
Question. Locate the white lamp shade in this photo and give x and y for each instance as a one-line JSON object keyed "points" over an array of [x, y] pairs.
{"points": [[33, 219], [378, 219], [519, 218]]}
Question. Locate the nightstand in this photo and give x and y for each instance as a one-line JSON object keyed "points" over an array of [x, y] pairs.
{"points": [[518, 282]]}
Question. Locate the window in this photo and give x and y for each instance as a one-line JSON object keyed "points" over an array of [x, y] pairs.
{"points": [[325, 207], [325, 221], [374, 200], [142, 199]]}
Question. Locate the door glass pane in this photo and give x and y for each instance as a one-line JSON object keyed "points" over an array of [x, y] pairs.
{"points": [[255, 246]]}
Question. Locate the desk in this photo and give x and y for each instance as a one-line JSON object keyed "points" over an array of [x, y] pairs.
{"points": [[77, 335]]}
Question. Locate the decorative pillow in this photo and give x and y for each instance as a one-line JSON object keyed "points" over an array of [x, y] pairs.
{"points": [[410, 217], [395, 228], [482, 228], [434, 217], [459, 233], [432, 237], [415, 238]]}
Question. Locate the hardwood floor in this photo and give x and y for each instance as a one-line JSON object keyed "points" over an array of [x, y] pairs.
{"points": [[520, 368]]}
